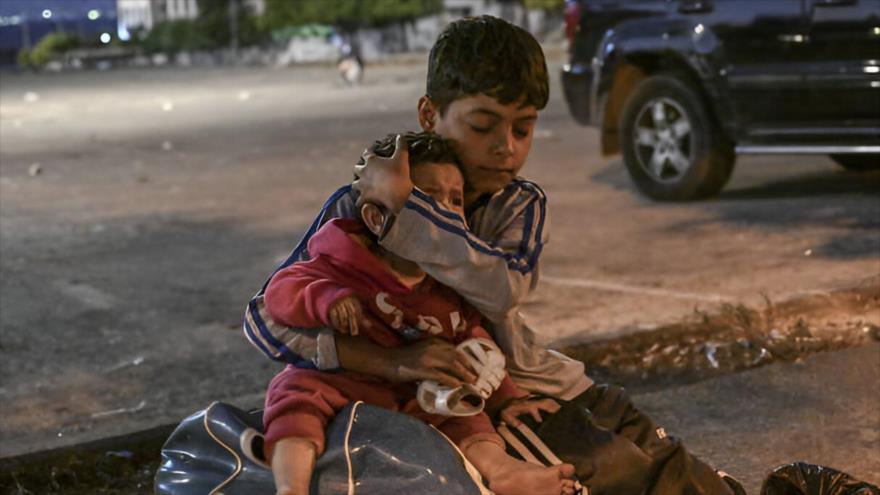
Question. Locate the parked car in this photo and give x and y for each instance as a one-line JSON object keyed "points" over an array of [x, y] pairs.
{"points": [[680, 87]]}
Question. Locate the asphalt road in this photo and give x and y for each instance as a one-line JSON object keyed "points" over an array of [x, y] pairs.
{"points": [[820, 411], [141, 209]]}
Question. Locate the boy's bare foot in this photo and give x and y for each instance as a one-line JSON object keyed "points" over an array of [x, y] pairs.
{"points": [[522, 478]]}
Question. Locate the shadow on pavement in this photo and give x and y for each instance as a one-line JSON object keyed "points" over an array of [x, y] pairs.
{"points": [[811, 185], [848, 202]]}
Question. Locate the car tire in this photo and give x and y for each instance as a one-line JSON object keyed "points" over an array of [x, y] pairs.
{"points": [[858, 163], [671, 146]]}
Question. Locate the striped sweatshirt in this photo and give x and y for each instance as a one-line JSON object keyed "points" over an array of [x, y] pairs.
{"points": [[493, 262]]}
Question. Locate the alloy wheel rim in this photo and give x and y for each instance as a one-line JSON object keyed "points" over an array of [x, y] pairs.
{"points": [[663, 140]]}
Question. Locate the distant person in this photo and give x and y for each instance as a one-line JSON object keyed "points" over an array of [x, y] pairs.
{"points": [[350, 64], [486, 82], [356, 287]]}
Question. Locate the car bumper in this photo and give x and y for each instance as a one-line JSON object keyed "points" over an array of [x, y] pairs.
{"points": [[577, 84]]}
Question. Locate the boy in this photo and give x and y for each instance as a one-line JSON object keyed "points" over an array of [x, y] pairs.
{"points": [[356, 287], [486, 82]]}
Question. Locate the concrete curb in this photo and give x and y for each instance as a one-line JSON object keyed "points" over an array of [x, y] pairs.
{"points": [[133, 442], [141, 448], [84, 462]]}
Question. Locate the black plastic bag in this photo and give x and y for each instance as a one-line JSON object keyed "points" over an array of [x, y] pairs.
{"points": [[800, 478]]}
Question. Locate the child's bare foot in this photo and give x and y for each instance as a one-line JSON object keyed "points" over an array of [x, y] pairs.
{"points": [[293, 460], [522, 478]]}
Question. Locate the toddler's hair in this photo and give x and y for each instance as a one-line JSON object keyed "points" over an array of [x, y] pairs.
{"points": [[424, 147]]}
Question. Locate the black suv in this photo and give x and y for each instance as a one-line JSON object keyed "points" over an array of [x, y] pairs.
{"points": [[681, 86]]}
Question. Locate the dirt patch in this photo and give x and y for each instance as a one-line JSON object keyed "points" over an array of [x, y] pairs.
{"points": [[737, 338]]}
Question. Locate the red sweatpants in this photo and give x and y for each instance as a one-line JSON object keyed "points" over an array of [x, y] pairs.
{"points": [[300, 403]]}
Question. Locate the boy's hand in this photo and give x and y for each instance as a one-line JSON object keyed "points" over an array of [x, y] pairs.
{"points": [[432, 359], [384, 181], [533, 407], [346, 314]]}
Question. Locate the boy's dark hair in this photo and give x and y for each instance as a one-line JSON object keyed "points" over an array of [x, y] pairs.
{"points": [[423, 147], [490, 56]]}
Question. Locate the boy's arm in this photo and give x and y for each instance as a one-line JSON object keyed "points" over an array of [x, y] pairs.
{"points": [[303, 347], [494, 267], [494, 270], [323, 349]]}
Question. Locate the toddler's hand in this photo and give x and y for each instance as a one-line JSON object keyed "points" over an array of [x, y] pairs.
{"points": [[533, 407], [346, 314]]}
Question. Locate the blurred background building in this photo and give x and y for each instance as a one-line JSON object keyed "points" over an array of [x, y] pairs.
{"points": [[61, 34], [146, 13], [23, 23]]}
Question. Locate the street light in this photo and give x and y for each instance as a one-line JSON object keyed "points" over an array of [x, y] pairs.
{"points": [[94, 14], [47, 14], [105, 38]]}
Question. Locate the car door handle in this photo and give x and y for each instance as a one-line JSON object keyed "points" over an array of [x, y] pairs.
{"points": [[833, 3], [695, 6]]}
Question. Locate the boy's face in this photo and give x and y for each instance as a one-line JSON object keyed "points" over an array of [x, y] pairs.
{"points": [[443, 182], [492, 140]]}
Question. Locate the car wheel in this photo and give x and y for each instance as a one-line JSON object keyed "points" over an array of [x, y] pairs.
{"points": [[858, 163], [671, 147]]}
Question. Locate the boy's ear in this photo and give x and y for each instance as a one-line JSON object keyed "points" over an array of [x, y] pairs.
{"points": [[373, 217], [427, 113]]}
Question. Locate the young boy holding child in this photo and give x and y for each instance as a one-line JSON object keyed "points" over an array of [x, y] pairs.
{"points": [[356, 287], [486, 82]]}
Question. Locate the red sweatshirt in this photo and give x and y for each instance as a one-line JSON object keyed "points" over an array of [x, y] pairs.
{"points": [[301, 296]]}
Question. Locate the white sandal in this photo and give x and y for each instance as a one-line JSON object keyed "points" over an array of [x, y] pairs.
{"points": [[488, 361], [435, 398], [467, 400]]}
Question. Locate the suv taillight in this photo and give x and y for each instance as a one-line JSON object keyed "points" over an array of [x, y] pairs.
{"points": [[572, 19]]}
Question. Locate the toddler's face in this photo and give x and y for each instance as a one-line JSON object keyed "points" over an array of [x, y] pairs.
{"points": [[443, 182]]}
